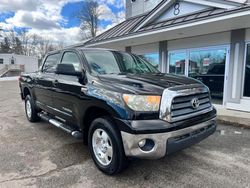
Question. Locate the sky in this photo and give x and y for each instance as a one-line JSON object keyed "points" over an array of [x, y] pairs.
{"points": [[55, 19]]}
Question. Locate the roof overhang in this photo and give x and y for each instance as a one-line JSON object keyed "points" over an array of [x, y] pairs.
{"points": [[218, 3], [236, 20], [166, 4]]}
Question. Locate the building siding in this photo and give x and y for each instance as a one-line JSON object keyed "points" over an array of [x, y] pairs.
{"points": [[140, 7], [146, 48], [30, 63], [200, 41]]}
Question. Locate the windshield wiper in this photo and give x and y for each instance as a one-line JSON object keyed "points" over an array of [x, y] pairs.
{"points": [[112, 73]]}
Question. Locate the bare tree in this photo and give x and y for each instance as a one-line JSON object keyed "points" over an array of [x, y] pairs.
{"points": [[24, 43], [60, 45], [44, 45], [39, 46], [25, 38], [89, 16]]}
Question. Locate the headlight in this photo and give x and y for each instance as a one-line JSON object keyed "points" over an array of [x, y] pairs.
{"points": [[142, 102]]}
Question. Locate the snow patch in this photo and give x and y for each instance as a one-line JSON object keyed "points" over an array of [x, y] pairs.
{"points": [[9, 78]]}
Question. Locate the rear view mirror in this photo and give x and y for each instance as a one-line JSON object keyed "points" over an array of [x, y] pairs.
{"points": [[67, 69]]}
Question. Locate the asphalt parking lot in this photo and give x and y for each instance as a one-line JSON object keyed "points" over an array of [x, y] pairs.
{"points": [[40, 155]]}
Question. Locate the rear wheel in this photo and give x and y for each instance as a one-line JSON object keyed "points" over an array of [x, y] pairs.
{"points": [[30, 109], [106, 146]]}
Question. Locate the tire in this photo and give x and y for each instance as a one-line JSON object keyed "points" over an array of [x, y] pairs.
{"points": [[116, 160], [30, 109]]}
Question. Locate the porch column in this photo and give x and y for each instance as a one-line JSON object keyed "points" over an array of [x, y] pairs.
{"points": [[236, 66], [128, 49], [163, 55]]}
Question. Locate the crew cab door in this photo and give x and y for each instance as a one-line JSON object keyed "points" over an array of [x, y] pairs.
{"points": [[44, 83], [68, 99]]}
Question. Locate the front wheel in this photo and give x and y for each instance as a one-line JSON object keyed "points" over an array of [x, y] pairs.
{"points": [[30, 109], [106, 146]]}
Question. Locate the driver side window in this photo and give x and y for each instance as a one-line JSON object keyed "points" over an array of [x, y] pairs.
{"points": [[50, 63], [72, 58]]}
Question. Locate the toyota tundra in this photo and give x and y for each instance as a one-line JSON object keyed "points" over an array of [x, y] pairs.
{"points": [[118, 104]]}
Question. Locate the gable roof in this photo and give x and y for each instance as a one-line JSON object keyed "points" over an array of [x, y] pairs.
{"points": [[133, 26], [183, 19], [166, 4]]}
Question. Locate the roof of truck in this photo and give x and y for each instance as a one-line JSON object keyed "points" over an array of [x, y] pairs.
{"points": [[81, 48]]}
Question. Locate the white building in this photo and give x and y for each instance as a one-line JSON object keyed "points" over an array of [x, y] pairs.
{"points": [[206, 39], [13, 64]]}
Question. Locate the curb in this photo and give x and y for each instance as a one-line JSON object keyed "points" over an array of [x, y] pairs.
{"points": [[237, 122]]}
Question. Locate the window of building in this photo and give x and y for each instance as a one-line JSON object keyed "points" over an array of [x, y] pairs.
{"points": [[1, 61], [206, 65], [50, 63], [247, 73], [12, 61], [177, 63], [72, 58], [152, 58]]}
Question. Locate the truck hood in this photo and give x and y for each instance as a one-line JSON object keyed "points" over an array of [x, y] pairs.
{"points": [[144, 83]]}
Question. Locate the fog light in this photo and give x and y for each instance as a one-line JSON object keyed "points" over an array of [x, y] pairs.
{"points": [[146, 145], [142, 143]]}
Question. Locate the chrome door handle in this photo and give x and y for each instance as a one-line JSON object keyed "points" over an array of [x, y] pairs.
{"points": [[55, 82]]}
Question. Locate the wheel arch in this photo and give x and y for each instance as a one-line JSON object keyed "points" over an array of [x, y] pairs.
{"points": [[26, 91], [91, 114]]}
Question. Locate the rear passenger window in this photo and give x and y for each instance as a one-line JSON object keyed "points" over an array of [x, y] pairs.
{"points": [[50, 63], [71, 58]]}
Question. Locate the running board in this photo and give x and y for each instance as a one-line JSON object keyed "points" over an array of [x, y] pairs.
{"points": [[64, 127]]}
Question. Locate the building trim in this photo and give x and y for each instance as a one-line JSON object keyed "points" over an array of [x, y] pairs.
{"points": [[237, 57], [163, 55], [235, 72]]}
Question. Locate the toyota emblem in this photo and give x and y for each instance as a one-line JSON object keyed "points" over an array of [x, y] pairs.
{"points": [[195, 103]]}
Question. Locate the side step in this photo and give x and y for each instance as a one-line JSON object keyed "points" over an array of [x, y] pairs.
{"points": [[64, 127]]}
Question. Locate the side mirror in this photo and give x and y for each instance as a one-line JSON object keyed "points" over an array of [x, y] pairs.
{"points": [[68, 69]]}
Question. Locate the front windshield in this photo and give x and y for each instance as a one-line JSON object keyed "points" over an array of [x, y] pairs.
{"points": [[108, 62]]}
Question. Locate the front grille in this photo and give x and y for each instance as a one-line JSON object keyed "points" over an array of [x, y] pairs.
{"points": [[182, 105], [185, 101]]}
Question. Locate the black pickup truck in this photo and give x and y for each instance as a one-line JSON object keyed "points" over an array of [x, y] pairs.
{"points": [[119, 104]]}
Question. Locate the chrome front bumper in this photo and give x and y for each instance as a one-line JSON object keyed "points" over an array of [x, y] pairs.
{"points": [[168, 142]]}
